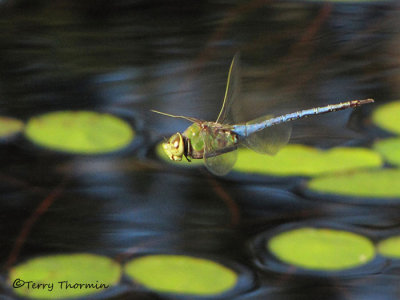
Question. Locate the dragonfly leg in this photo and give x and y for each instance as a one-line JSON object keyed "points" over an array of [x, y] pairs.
{"points": [[187, 150]]}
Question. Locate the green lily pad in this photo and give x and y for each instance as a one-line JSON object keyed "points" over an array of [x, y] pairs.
{"points": [[10, 126], [322, 249], [300, 160], [181, 274], [183, 163], [79, 132], [390, 150], [64, 276], [371, 184], [390, 247], [387, 117], [348, 1]]}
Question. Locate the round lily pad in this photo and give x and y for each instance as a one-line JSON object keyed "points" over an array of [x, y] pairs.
{"points": [[321, 249], [79, 132], [181, 274], [183, 163], [369, 184], [390, 150], [64, 276], [347, 1], [390, 247], [301, 160], [387, 117], [10, 126]]}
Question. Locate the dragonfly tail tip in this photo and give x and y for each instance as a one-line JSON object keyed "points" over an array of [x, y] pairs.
{"points": [[370, 100]]}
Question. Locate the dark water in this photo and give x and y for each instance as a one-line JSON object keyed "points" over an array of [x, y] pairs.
{"points": [[131, 56]]}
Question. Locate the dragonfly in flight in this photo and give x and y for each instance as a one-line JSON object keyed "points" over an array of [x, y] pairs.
{"points": [[216, 142]]}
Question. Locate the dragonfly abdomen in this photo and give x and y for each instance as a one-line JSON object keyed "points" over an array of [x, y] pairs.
{"points": [[246, 130]]}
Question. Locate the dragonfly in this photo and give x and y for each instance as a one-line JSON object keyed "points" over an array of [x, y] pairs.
{"points": [[216, 142]]}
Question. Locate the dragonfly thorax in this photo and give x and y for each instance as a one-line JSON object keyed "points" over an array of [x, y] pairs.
{"points": [[208, 138]]}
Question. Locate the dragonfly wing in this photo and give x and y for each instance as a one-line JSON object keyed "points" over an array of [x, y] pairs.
{"points": [[231, 93], [216, 159], [269, 140]]}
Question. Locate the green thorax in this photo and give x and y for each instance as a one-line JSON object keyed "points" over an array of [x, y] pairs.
{"points": [[193, 134], [216, 136]]}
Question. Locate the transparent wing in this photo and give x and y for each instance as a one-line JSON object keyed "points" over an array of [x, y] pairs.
{"points": [[269, 140], [219, 152], [231, 93]]}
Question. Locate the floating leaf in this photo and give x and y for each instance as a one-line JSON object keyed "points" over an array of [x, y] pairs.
{"points": [[184, 163], [10, 126], [387, 117], [81, 132], [64, 276], [390, 247], [300, 160], [181, 274], [349, 1], [322, 249], [390, 150], [379, 183]]}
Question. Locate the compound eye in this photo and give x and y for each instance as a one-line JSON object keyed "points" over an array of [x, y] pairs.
{"points": [[175, 141], [175, 148]]}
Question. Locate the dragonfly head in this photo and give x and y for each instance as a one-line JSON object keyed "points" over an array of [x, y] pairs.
{"points": [[175, 147]]}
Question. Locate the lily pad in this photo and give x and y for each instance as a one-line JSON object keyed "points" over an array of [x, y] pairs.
{"points": [[390, 247], [370, 184], [322, 249], [181, 274], [390, 150], [183, 163], [79, 132], [387, 117], [64, 276], [300, 160], [10, 126], [348, 1]]}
